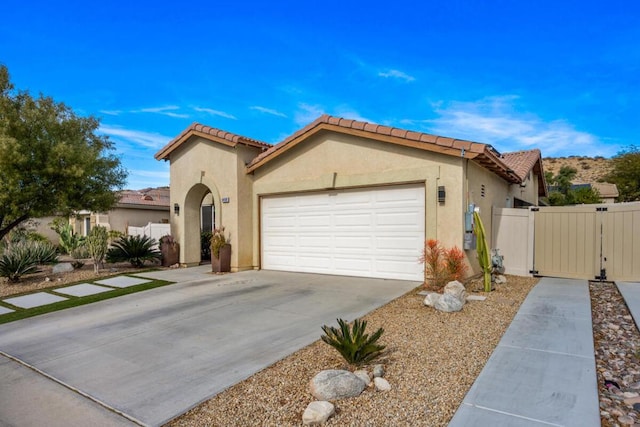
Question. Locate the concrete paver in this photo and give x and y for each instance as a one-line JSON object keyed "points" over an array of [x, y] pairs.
{"points": [[543, 370], [155, 354], [122, 281], [5, 310], [34, 300], [82, 290]]}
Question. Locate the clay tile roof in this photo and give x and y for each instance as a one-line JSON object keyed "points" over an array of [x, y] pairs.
{"points": [[208, 132], [484, 154], [148, 197], [522, 162]]}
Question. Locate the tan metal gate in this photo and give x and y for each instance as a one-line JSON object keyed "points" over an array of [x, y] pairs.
{"points": [[588, 242]]}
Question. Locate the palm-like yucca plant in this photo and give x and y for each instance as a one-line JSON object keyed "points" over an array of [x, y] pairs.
{"points": [[352, 343], [134, 249], [17, 262]]}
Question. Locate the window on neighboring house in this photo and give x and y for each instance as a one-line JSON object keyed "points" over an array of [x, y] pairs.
{"points": [[87, 225]]}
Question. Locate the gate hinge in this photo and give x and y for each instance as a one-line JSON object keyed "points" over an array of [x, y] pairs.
{"points": [[535, 209], [534, 272], [603, 209]]}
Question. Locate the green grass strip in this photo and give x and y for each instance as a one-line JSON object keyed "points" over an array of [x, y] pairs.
{"points": [[23, 313]]}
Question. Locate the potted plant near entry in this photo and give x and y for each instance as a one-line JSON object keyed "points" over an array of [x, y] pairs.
{"points": [[170, 250], [220, 252]]}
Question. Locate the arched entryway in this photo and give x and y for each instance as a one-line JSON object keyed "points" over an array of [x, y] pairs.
{"points": [[199, 213]]}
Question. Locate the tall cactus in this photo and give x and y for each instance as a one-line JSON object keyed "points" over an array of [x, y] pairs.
{"points": [[96, 243], [482, 248]]}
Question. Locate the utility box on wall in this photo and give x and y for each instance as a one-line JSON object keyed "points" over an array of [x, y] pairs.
{"points": [[469, 241]]}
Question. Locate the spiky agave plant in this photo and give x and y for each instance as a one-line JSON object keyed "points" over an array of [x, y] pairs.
{"points": [[482, 248], [352, 343], [134, 249]]}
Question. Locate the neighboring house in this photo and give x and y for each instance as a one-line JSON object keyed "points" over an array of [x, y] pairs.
{"points": [[340, 196], [608, 192], [134, 208]]}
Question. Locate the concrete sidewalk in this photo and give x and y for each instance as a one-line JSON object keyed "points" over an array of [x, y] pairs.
{"points": [[630, 291], [542, 373]]}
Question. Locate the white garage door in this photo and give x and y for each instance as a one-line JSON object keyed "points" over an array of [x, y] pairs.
{"points": [[377, 232]]}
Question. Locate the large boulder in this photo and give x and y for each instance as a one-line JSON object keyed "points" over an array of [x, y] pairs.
{"points": [[456, 289], [63, 267], [335, 384], [431, 299], [317, 413], [448, 303]]}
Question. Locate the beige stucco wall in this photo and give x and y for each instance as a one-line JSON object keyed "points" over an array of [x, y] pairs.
{"points": [[357, 162], [496, 194], [527, 191], [198, 167]]}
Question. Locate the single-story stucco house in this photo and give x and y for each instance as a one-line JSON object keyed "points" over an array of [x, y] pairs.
{"points": [[341, 196], [134, 208]]}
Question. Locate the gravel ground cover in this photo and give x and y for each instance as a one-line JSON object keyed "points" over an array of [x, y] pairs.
{"points": [[617, 348], [431, 360]]}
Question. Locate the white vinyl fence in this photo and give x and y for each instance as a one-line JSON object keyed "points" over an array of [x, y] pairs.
{"points": [[153, 230]]}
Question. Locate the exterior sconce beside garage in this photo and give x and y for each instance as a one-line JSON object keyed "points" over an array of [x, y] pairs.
{"points": [[442, 194], [176, 209]]}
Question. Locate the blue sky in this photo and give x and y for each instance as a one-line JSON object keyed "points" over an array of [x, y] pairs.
{"points": [[562, 76]]}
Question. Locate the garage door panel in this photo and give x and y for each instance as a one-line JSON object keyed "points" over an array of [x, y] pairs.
{"points": [[376, 232]]}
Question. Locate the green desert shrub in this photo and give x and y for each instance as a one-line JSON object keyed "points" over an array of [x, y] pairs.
{"points": [[97, 243], [69, 241], [205, 244], [16, 262], [134, 249], [352, 343]]}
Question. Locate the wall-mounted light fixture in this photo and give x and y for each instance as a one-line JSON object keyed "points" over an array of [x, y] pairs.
{"points": [[442, 194], [176, 209]]}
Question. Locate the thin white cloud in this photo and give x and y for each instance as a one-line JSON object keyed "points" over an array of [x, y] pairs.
{"points": [[396, 74], [307, 113], [168, 110], [111, 112], [145, 139], [150, 173], [268, 111], [495, 121], [215, 113], [348, 113]]}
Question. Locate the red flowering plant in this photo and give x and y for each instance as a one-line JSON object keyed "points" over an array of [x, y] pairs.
{"points": [[441, 265]]}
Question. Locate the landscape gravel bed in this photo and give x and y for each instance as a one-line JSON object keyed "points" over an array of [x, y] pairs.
{"points": [[431, 360], [617, 351]]}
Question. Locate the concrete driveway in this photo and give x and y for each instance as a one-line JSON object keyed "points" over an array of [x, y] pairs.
{"points": [[155, 354]]}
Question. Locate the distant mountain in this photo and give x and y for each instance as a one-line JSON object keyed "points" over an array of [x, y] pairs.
{"points": [[590, 169]]}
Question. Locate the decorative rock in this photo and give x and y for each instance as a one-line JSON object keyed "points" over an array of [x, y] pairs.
{"points": [[456, 289], [335, 384], [363, 375], [626, 420], [476, 298], [630, 394], [63, 267], [431, 299], [448, 303], [500, 279], [378, 371], [381, 384], [317, 412]]}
